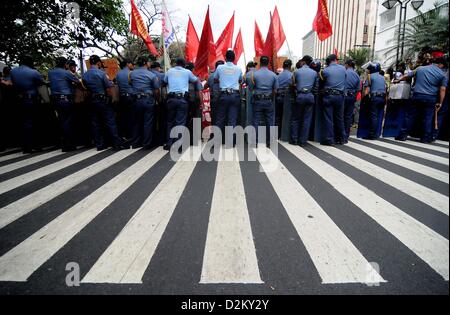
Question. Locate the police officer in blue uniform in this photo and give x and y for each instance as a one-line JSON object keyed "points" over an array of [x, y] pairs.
{"points": [[264, 84], [352, 87], [429, 93], [306, 81], [375, 86], [229, 76], [333, 77], [177, 80], [161, 114], [96, 81], [146, 89], [195, 89], [214, 90], [62, 84], [26, 81], [284, 87], [124, 122]]}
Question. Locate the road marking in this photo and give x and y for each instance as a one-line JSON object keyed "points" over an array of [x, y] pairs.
{"points": [[18, 181], [420, 154], [423, 241], [414, 166], [421, 145], [32, 160], [19, 208], [230, 255], [129, 255], [337, 260], [442, 142], [23, 260], [18, 155], [428, 196]]}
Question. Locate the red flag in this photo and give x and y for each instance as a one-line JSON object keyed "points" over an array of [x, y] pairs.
{"points": [[139, 28], [225, 40], [192, 42], [206, 50], [278, 33], [322, 23], [269, 47], [259, 42], [238, 47], [336, 53]]}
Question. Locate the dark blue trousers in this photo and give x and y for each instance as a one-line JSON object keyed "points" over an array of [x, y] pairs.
{"points": [[333, 118], [263, 112], [125, 116], [143, 118], [103, 115], [228, 110], [177, 113], [443, 112], [423, 107], [376, 113], [349, 112], [301, 118], [65, 109], [31, 128]]}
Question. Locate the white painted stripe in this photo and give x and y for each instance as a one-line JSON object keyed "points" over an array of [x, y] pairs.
{"points": [[129, 255], [442, 142], [420, 154], [230, 255], [9, 150], [337, 260], [19, 208], [422, 145], [17, 155], [428, 196], [423, 241], [20, 262], [18, 181], [414, 166], [32, 160]]}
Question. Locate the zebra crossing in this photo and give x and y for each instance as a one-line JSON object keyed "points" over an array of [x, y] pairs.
{"points": [[370, 217]]}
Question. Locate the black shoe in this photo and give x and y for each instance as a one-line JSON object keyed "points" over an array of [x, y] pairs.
{"points": [[328, 144], [136, 146], [303, 144], [147, 147], [121, 147], [400, 138], [27, 151], [370, 138], [166, 147], [38, 149], [291, 142], [103, 147]]}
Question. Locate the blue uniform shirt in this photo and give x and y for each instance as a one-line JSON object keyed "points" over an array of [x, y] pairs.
{"points": [[264, 81], [248, 75], [377, 83], [429, 80], [353, 82], [306, 78], [96, 80], [123, 81], [144, 81], [26, 80], [61, 81], [285, 79], [214, 87], [334, 77], [159, 75], [229, 75], [178, 79]]}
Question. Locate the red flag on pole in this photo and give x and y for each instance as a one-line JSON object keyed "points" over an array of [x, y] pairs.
{"points": [[206, 50], [259, 42], [238, 47], [322, 23], [336, 53], [139, 28], [278, 33], [192, 42], [269, 46], [225, 40]]}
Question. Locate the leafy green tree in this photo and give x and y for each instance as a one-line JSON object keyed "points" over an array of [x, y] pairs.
{"points": [[429, 29], [360, 56]]}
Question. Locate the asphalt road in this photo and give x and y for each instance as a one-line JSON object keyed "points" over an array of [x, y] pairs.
{"points": [[367, 218]]}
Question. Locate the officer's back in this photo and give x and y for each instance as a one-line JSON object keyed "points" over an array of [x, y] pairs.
{"points": [[264, 81], [178, 79], [229, 75], [429, 80], [376, 83], [334, 77], [306, 79], [95, 79], [352, 82], [285, 77], [143, 81], [62, 81], [123, 78], [25, 79]]}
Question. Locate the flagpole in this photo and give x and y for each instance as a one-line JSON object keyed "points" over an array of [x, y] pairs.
{"points": [[289, 49], [170, 20]]}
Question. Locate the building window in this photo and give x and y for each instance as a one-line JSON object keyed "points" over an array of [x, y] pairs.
{"points": [[366, 29], [387, 19]]}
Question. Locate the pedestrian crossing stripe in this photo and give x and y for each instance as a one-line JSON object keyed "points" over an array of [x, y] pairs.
{"points": [[32, 160], [427, 146], [230, 255]]}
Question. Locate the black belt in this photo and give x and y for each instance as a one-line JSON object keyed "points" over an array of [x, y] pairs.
{"points": [[265, 97], [143, 95], [178, 95], [333, 92], [304, 91], [126, 94], [229, 91], [65, 97], [350, 93], [378, 94], [99, 96], [27, 96]]}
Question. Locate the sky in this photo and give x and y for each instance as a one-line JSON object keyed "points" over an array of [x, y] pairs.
{"points": [[296, 16]]}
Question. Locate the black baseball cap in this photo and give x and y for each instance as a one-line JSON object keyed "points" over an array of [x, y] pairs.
{"points": [[307, 59]]}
